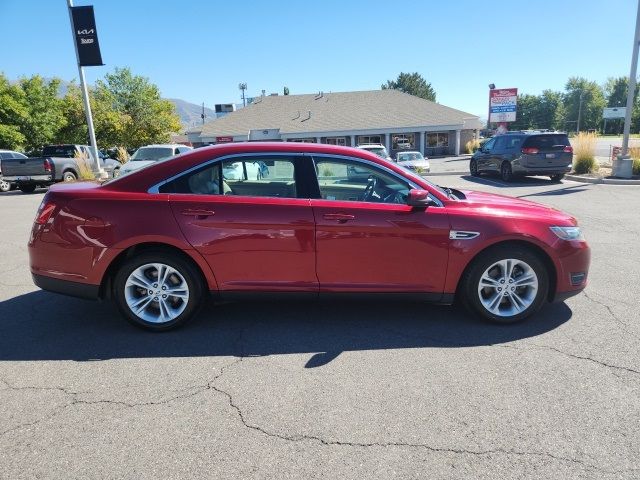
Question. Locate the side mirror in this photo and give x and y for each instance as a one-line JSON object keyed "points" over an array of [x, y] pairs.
{"points": [[418, 198]]}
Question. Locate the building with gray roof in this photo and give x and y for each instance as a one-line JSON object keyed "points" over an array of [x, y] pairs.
{"points": [[390, 117]]}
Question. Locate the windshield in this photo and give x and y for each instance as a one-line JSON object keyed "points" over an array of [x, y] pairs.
{"points": [[152, 153], [403, 157], [381, 151]]}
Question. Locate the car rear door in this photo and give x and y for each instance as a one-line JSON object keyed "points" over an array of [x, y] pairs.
{"points": [[375, 242], [259, 234]]}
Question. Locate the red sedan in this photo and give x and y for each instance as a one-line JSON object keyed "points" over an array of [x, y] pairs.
{"points": [[267, 218]]}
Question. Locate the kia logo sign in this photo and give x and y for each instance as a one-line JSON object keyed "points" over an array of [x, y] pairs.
{"points": [[87, 46], [87, 32]]}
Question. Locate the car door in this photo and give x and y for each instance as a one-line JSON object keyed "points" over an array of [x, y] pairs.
{"points": [[484, 155], [255, 234], [498, 153], [368, 239]]}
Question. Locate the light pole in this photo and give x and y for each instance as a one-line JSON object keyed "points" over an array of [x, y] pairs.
{"points": [[623, 166], [243, 86], [492, 86], [579, 111]]}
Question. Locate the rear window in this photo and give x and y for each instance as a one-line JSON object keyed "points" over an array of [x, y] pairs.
{"points": [[152, 153], [547, 142], [67, 151]]}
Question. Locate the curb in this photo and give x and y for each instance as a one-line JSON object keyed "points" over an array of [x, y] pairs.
{"points": [[441, 174], [602, 181]]}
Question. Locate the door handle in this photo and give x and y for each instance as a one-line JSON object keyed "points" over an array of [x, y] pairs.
{"points": [[340, 217], [199, 214]]}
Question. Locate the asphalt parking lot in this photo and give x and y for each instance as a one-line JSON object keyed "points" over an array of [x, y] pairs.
{"points": [[330, 390]]}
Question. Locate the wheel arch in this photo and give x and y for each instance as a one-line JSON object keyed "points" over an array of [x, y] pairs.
{"points": [[538, 250], [129, 252]]}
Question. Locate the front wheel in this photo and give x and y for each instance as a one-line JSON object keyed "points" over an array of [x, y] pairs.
{"points": [[473, 168], [557, 177], [158, 290], [4, 186], [505, 285]]}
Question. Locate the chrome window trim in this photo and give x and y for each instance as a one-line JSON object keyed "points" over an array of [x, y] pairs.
{"points": [[156, 188], [374, 165]]}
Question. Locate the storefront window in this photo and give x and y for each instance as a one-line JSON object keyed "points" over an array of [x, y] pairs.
{"points": [[342, 141], [404, 141], [364, 139], [302, 140], [437, 139]]}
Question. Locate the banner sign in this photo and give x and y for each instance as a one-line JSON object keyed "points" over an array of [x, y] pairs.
{"points": [[86, 35], [614, 112], [502, 104]]}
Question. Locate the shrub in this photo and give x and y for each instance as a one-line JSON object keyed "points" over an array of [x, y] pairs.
{"points": [[472, 145], [636, 166], [84, 167], [584, 160], [122, 155]]}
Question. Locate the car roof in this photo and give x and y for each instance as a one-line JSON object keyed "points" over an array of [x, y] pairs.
{"points": [[165, 145]]}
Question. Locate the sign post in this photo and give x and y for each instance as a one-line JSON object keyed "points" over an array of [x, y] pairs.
{"points": [[85, 41]]}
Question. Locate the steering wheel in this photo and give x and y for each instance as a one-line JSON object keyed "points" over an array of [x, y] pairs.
{"points": [[372, 183]]}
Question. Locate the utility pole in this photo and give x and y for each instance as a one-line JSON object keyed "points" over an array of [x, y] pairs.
{"points": [[492, 86], [243, 86], [85, 97], [623, 165]]}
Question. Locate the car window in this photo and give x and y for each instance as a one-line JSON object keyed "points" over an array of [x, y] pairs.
{"points": [[342, 179], [547, 142], [501, 144], [513, 142], [67, 151], [152, 153], [489, 145]]}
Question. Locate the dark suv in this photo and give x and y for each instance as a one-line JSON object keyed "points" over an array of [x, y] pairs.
{"points": [[522, 153]]}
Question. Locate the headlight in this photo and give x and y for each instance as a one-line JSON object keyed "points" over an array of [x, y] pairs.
{"points": [[568, 233]]}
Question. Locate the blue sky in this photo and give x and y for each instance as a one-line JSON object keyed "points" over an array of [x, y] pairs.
{"points": [[200, 50]]}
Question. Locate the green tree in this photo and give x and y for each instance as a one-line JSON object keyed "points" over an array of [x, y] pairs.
{"points": [[413, 84], [526, 112], [143, 117], [591, 95], [13, 114], [44, 111]]}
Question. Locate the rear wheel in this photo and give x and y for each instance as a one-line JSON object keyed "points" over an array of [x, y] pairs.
{"points": [[158, 290], [4, 186], [27, 188], [557, 177], [505, 284], [69, 177], [473, 168], [506, 172]]}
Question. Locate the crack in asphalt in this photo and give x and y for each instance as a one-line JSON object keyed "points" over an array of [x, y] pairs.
{"points": [[623, 325]]}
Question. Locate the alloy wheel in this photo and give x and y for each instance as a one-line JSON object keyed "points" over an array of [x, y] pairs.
{"points": [[508, 287]]}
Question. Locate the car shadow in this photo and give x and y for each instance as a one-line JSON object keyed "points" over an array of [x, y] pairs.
{"points": [[45, 326], [495, 181]]}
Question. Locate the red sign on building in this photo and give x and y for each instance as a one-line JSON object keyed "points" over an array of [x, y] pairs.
{"points": [[224, 139]]}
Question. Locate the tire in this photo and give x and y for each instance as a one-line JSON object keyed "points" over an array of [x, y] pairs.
{"points": [[69, 176], [557, 177], [483, 284], [473, 168], [158, 314], [4, 186], [506, 173], [27, 188]]}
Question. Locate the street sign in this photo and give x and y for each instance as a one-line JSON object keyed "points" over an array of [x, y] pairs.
{"points": [[502, 104], [614, 112]]}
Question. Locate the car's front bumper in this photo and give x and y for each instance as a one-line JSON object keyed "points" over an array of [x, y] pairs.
{"points": [[574, 258]]}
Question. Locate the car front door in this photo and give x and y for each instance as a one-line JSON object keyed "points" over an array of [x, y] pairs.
{"points": [[368, 239], [255, 234], [484, 155]]}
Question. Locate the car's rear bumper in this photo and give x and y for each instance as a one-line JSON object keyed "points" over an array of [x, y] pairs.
{"points": [[66, 287], [521, 170], [28, 178]]}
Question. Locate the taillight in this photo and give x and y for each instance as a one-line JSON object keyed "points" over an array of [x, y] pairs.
{"points": [[568, 149], [529, 151], [47, 165], [44, 212]]}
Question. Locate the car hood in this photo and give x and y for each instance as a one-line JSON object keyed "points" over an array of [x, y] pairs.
{"points": [[515, 207], [414, 163]]}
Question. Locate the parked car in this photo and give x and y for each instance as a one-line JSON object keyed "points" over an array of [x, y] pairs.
{"points": [[157, 241], [376, 148], [403, 144], [57, 164], [152, 153], [7, 155], [413, 161], [524, 153]]}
